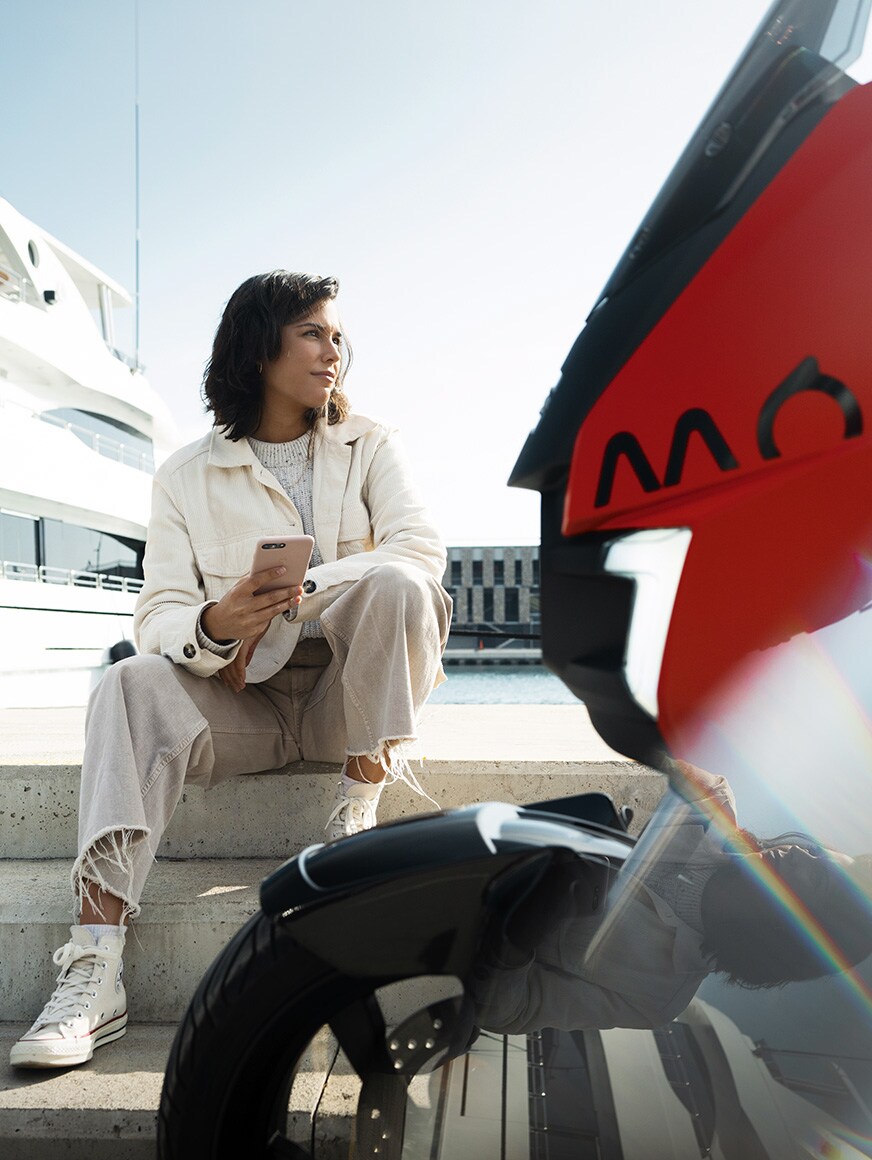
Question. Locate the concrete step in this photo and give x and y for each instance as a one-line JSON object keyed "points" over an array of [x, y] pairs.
{"points": [[192, 907], [190, 911], [104, 1110], [513, 753], [274, 815], [193, 902], [107, 1108]]}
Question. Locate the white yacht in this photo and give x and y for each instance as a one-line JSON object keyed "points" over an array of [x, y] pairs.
{"points": [[81, 432]]}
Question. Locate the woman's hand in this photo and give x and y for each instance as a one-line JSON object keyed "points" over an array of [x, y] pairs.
{"points": [[240, 615], [233, 675]]}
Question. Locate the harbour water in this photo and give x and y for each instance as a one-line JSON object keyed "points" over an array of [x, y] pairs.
{"points": [[502, 685]]}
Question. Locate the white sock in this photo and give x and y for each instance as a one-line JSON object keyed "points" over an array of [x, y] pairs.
{"points": [[371, 789], [98, 929]]}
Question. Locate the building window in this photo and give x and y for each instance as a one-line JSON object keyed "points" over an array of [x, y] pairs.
{"points": [[512, 603], [535, 615], [536, 570], [519, 571], [488, 604], [456, 573], [469, 606], [499, 572], [476, 571]]}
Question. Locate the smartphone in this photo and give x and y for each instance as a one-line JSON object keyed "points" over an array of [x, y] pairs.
{"points": [[294, 552]]}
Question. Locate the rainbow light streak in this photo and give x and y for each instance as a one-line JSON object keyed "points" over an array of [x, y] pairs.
{"points": [[805, 923], [840, 1145]]}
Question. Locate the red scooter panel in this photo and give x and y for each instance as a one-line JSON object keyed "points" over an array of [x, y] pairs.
{"points": [[745, 417]]}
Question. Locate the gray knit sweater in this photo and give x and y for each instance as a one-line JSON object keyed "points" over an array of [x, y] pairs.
{"points": [[292, 465]]}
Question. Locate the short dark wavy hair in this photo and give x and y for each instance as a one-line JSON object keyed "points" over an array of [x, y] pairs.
{"points": [[250, 334], [753, 938]]}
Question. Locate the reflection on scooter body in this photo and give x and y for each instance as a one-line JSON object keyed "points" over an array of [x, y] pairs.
{"points": [[448, 983], [698, 896]]}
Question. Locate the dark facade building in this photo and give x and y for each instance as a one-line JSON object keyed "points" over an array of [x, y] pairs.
{"points": [[496, 595]]}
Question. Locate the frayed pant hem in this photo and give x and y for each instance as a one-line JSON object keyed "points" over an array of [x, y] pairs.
{"points": [[110, 849], [393, 755]]}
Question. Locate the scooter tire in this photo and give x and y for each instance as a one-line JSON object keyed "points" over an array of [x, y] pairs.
{"points": [[232, 1063]]}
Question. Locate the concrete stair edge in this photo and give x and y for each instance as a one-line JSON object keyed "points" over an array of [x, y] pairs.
{"points": [[66, 1113], [274, 814], [104, 1110]]}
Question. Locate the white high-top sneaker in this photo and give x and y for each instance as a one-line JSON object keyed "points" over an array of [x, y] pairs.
{"points": [[87, 1009], [354, 809]]}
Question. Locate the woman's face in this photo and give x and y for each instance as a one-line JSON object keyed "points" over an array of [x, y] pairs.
{"points": [[307, 366]]}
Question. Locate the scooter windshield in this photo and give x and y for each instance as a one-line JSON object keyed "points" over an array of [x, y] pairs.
{"points": [[805, 56], [799, 56]]}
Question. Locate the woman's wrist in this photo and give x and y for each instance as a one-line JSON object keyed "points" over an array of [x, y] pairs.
{"points": [[212, 629]]}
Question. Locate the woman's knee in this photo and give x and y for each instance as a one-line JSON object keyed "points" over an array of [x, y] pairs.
{"points": [[141, 670], [402, 582], [141, 681], [407, 587]]}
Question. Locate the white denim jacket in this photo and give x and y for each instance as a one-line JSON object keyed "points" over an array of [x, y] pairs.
{"points": [[213, 499]]}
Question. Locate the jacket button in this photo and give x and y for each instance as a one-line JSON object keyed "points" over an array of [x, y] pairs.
{"points": [[189, 651], [309, 586]]}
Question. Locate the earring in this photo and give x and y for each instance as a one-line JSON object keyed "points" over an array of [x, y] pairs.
{"points": [[259, 368]]}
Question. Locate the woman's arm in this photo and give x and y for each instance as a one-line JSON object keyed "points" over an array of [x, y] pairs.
{"points": [[401, 528], [172, 598], [172, 605]]}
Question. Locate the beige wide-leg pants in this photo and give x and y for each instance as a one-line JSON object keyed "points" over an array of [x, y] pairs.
{"points": [[153, 727]]}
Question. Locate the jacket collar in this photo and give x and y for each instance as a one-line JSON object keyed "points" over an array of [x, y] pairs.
{"points": [[223, 452], [332, 460]]}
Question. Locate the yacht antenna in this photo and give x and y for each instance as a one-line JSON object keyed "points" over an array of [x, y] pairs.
{"points": [[136, 169]]}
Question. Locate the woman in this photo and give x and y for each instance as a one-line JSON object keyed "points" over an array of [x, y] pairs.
{"points": [[233, 682]]}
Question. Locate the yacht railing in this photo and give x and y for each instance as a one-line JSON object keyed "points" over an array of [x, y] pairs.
{"points": [[73, 577], [103, 444]]}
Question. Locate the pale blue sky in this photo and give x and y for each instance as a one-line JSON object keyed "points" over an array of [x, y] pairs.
{"points": [[471, 171]]}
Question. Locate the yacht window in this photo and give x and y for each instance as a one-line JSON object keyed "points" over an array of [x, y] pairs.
{"points": [[70, 548], [110, 437], [18, 539], [33, 254]]}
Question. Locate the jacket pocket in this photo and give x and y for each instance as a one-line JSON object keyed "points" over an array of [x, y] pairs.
{"points": [[222, 565], [354, 521]]}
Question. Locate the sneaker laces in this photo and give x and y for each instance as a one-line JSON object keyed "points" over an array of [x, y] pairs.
{"points": [[74, 983], [351, 815]]}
